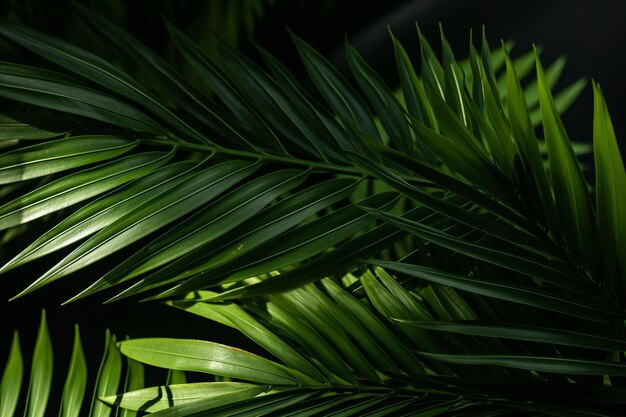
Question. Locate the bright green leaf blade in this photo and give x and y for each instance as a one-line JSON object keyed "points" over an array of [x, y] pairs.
{"points": [[231, 405], [303, 333], [78, 187], [76, 382], [41, 372], [268, 224], [174, 376], [502, 145], [102, 212], [432, 71], [163, 397], [401, 355], [11, 383], [610, 195], [505, 291], [109, 376], [374, 357], [523, 65], [400, 294], [59, 155], [553, 74], [209, 224], [295, 246], [389, 305], [254, 330], [562, 100], [150, 216], [344, 336], [455, 82], [207, 357], [580, 148], [135, 380]]}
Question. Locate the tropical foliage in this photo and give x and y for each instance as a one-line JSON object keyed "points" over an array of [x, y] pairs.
{"points": [[431, 251]]}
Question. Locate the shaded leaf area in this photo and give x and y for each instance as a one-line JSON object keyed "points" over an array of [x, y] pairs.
{"points": [[405, 252]]}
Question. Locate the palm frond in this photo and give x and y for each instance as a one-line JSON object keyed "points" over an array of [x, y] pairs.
{"points": [[295, 130], [367, 339], [283, 213]]}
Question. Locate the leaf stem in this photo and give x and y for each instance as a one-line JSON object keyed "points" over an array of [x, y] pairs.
{"points": [[340, 169], [258, 155]]}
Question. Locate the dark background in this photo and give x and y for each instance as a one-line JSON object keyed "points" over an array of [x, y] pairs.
{"points": [[590, 34]]}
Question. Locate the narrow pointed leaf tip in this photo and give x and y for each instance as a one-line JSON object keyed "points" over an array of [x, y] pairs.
{"points": [[570, 188], [610, 195]]}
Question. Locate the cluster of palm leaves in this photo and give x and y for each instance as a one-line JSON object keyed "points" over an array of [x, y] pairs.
{"points": [[431, 251]]}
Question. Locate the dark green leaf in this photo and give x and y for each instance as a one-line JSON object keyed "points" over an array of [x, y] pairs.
{"points": [[570, 187], [28, 126], [526, 333], [526, 263], [384, 103], [341, 98], [207, 225], [610, 194], [536, 363], [505, 291], [28, 85], [94, 69]]}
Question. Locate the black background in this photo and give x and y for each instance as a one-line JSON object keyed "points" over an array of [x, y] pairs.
{"points": [[589, 33]]}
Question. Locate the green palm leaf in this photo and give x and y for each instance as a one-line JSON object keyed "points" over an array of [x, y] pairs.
{"points": [[265, 209], [34, 401]]}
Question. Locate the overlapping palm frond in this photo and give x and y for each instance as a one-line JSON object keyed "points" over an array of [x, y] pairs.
{"points": [[482, 271], [233, 185], [367, 345]]}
